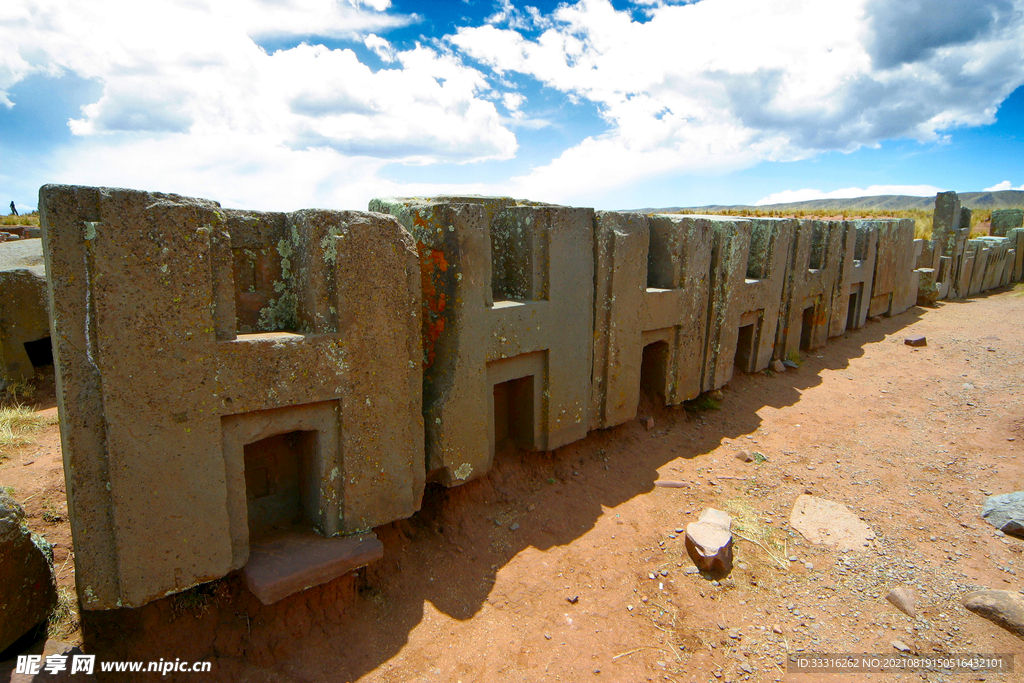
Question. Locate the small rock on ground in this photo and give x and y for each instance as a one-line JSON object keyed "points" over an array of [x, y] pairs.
{"points": [[904, 599], [1005, 512], [1005, 608]]}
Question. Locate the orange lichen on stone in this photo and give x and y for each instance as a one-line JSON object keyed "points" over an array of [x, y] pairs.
{"points": [[432, 265]]}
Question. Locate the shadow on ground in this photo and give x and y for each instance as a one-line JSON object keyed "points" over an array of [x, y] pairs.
{"points": [[449, 553]]}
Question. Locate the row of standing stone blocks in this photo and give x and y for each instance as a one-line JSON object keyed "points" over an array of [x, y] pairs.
{"points": [[390, 348], [953, 266]]}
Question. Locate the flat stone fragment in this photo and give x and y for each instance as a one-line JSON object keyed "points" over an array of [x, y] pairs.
{"points": [[1004, 608], [27, 587], [745, 456], [916, 340], [826, 522], [778, 366], [291, 562], [717, 517], [904, 599], [1005, 512]]}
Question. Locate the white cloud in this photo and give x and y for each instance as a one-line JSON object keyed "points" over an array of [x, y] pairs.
{"points": [[727, 83], [1005, 185], [789, 196], [189, 77], [381, 47]]}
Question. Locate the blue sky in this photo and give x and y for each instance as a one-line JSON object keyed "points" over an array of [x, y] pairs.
{"points": [[284, 104]]}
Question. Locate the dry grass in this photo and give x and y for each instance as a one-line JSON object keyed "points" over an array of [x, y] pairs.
{"points": [[17, 423], [747, 525], [27, 219], [64, 618]]}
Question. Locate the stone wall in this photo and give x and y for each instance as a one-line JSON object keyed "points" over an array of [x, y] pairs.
{"points": [[257, 391]]}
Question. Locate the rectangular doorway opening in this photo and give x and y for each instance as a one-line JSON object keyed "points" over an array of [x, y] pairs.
{"points": [[807, 328], [745, 348], [281, 486], [851, 312], [40, 352], [513, 413], [654, 370]]}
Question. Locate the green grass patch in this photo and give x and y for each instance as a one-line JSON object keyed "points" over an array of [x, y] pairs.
{"points": [[703, 403]]}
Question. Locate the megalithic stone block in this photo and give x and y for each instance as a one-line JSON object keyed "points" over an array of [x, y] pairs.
{"points": [[224, 373], [727, 277], [1005, 220], [894, 288], [750, 328], [982, 253], [1016, 240], [508, 326], [851, 294], [946, 222], [813, 271], [652, 280], [927, 287], [24, 314]]}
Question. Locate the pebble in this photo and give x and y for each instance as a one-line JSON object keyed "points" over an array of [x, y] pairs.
{"points": [[691, 570], [514, 526], [792, 558], [808, 565]]}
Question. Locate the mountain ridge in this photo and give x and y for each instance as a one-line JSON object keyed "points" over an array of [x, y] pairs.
{"points": [[1002, 199]]}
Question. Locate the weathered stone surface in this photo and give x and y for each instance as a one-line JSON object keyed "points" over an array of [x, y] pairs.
{"points": [[1005, 608], [751, 275], [224, 371], [28, 590], [894, 286], [1005, 512], [927, 287], [851, 295], [709, 546], [709, 541], [508, 330], [916, 340], [823, 521], [287, 563], [1005, 220], [24, 311], [650, 312], [806, 313], [904, 599]]}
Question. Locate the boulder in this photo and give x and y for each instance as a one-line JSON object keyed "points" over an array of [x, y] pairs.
{"points": [[24, 311], [1005, 512], [709, 541], [28, 590], [823, 521], [1005, 608]]}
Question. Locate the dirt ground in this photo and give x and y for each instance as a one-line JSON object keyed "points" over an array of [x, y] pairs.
{"points": [[542, 571]]}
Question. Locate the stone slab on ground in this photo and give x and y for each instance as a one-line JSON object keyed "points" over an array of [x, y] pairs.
{"points": [[291, 562], [823, 521], [1005, 512], [1005, 608], [27, 587]]}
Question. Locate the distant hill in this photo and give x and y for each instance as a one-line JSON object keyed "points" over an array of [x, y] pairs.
{"points": [[888, 202]]}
